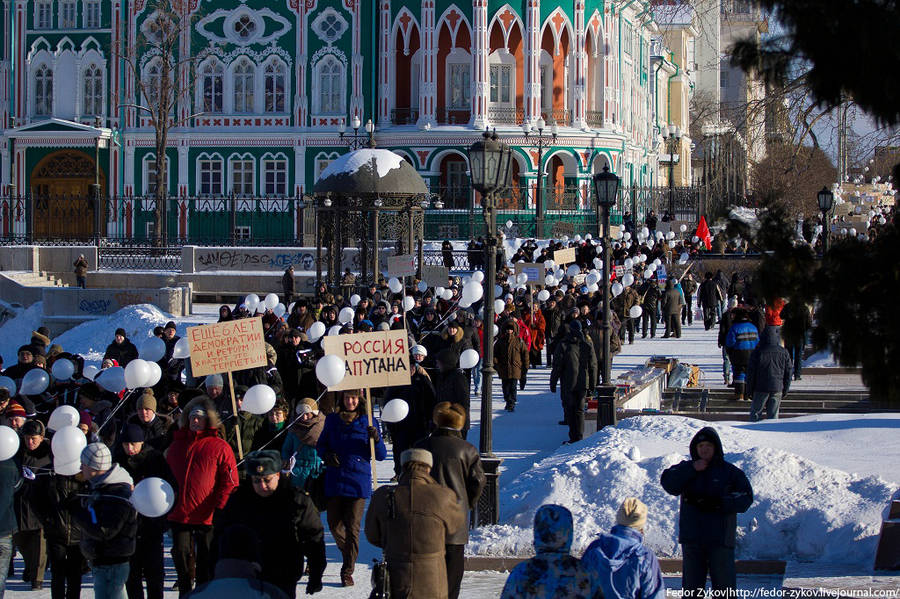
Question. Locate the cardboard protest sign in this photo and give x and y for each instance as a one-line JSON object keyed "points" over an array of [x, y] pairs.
{"points": [[565, 256], [435, 276], [579, 279], [534, 271], [371, 359], [619, 270], [402, 266], [227, 346]]}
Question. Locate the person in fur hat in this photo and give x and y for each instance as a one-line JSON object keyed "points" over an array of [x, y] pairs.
{"points": [[205, 470]]}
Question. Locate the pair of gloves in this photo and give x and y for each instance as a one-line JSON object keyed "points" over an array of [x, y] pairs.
{"points": [[332, 460]]}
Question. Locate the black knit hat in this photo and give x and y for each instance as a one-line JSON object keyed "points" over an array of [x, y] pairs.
{"points": [[132, 434]]}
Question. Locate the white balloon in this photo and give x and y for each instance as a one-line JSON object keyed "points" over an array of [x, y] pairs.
{"points": [[62, 417], [395, 285], [66, 446], [466, 280], [468, 359], [354, 299], [543, 295], [422, 286], [628, 279], [498, 290], [271, 301], [670, 235], [657, 262], [591, 278], [90, 372], [9, 443], [448, 294], [63, 369], [682, 228], [573, 270], [522, 278], [629, 263], [154, 376], [345, 316], [137, 372], [8, 384], [153, 349], [635, 312], [315, 331], [478, 276], [550, 281], [695, 239], [112, 379], [593, 288], [35, 382], [330, 370], [252, 302], [645, 231], [577, 238], [648, 273], [852, 231], [153, 497], [672, 244], [598, 262], [182, 349], [335, 330], [258, 399], [509, 224], [499, 306], [496, 330], [617, 288], [683, 258], [394, 410], [438, 292], [278, 310], [473, 292]]}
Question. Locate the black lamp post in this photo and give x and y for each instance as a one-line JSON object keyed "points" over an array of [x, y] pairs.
{"points": [[606, 186], [357, 140], [672, 136], [541, 142], [826, 201], [489, 164], [95, 188]]}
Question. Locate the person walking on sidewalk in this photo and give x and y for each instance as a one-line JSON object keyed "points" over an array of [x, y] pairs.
{"points": [[768, 375], [575, 369]]}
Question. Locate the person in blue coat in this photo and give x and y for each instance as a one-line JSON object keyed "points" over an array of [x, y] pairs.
{"points": [[345, 450], [741, 340], [618, 562], [712, 493], [553, 573]]}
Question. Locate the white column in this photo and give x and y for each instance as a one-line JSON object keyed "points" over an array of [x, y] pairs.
{"points": [[532, 87], [428, 88], [183, 168], [300, 170], [579, 93], [129, 168], [480, 78], [384, 63], [301, 103]]}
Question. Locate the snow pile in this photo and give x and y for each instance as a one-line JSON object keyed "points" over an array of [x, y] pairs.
{"points": [[385, 161], [17, 330], [744, 215], [822, 359], [819, 495], [91, 338]]}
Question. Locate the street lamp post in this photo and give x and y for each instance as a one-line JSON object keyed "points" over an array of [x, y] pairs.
{"points": [[357, 140], [606, 186], [489, 162], [672, 137], [541, 142], [826, 200]]}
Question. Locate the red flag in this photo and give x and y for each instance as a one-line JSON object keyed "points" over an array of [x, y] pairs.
{"points": [[703, 233]]}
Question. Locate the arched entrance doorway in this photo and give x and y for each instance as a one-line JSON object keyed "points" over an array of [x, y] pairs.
{"points": [[60, 184]]}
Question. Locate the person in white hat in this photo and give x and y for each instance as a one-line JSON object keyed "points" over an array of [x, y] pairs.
{"points": [[619, 564]]}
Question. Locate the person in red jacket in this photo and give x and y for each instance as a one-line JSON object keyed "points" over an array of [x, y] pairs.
{"points": [[205, 470]]}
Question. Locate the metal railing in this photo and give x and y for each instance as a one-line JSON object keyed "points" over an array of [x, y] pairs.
{"points": [[594, 118], [134, 255], [560, 116], [505, 114], [404, 116], [454, 116]]}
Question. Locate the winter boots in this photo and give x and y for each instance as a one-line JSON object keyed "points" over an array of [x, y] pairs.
{"points": [[739, 391]]}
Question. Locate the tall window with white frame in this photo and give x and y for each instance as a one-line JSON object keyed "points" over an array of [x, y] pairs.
{"points": [[43, 14], [92, 14], [331, 86], [43, 91], [68, 16], [93, 91], [460, 86], [501, 84], [242, 177], [150, 179], [210, 177], [152, 83], [244, 79], [211, 77], [275, 75], [275, 177]]}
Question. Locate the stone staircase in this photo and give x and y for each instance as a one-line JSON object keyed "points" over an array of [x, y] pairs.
{"points": [[36, 279]]}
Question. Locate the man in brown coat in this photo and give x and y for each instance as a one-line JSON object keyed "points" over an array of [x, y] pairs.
{"points": [[510, 361], [81, 267], [411, 522]]}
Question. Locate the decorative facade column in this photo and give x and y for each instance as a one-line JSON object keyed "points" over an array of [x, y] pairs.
{"points": [[480, 78], [357, 104], [301, 102], [299, 169], [129, 167], [20, 111], [428, 88], [384, 63], [579, 93], [184, 49], [532, 86], [183, 167]]}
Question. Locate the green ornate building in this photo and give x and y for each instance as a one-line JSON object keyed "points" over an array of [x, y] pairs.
{"points": [[262, 89]]}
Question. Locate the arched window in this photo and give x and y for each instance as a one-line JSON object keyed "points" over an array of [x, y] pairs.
{"points": [[275, 77], [93, 91], [43, 91], [211, 77], [152, 84], [243, 77], [330, 77]]}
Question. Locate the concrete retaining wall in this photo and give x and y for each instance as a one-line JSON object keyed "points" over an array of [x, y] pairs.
{"points": [[196, 259], [14, 292], [48, 258]]}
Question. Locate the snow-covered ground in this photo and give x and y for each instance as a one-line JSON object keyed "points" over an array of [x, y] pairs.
{"points": [[816, 479]]}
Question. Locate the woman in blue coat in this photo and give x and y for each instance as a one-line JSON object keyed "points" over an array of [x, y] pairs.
{"points": [[345, 450]]}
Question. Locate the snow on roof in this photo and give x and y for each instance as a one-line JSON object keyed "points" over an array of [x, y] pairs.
{"points": [[385, 161]]}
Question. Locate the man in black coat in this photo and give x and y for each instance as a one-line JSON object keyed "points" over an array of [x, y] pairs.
{"points": [[288, 524], [10, 481], [712, 493], [452, 383], [287, 285], [650, 293], [421, 399], [709, 298], [141, 461], [29, 539], [122, 350], [672, 304], [768, 375], [575, 368], [457, 465]]}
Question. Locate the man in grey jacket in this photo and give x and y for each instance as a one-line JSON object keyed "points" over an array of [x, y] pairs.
{"points": [[768, 375]]}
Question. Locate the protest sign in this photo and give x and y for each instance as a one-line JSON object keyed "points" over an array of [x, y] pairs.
{"points": [[402, 266], [435, 276], [226, 346], [565, 256], [534, 271], [661, 273], [371, 359]]}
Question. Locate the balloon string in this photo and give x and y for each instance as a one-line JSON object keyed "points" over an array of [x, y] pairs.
{"points": [[442, 321], [284, 430], [116, 409]]}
